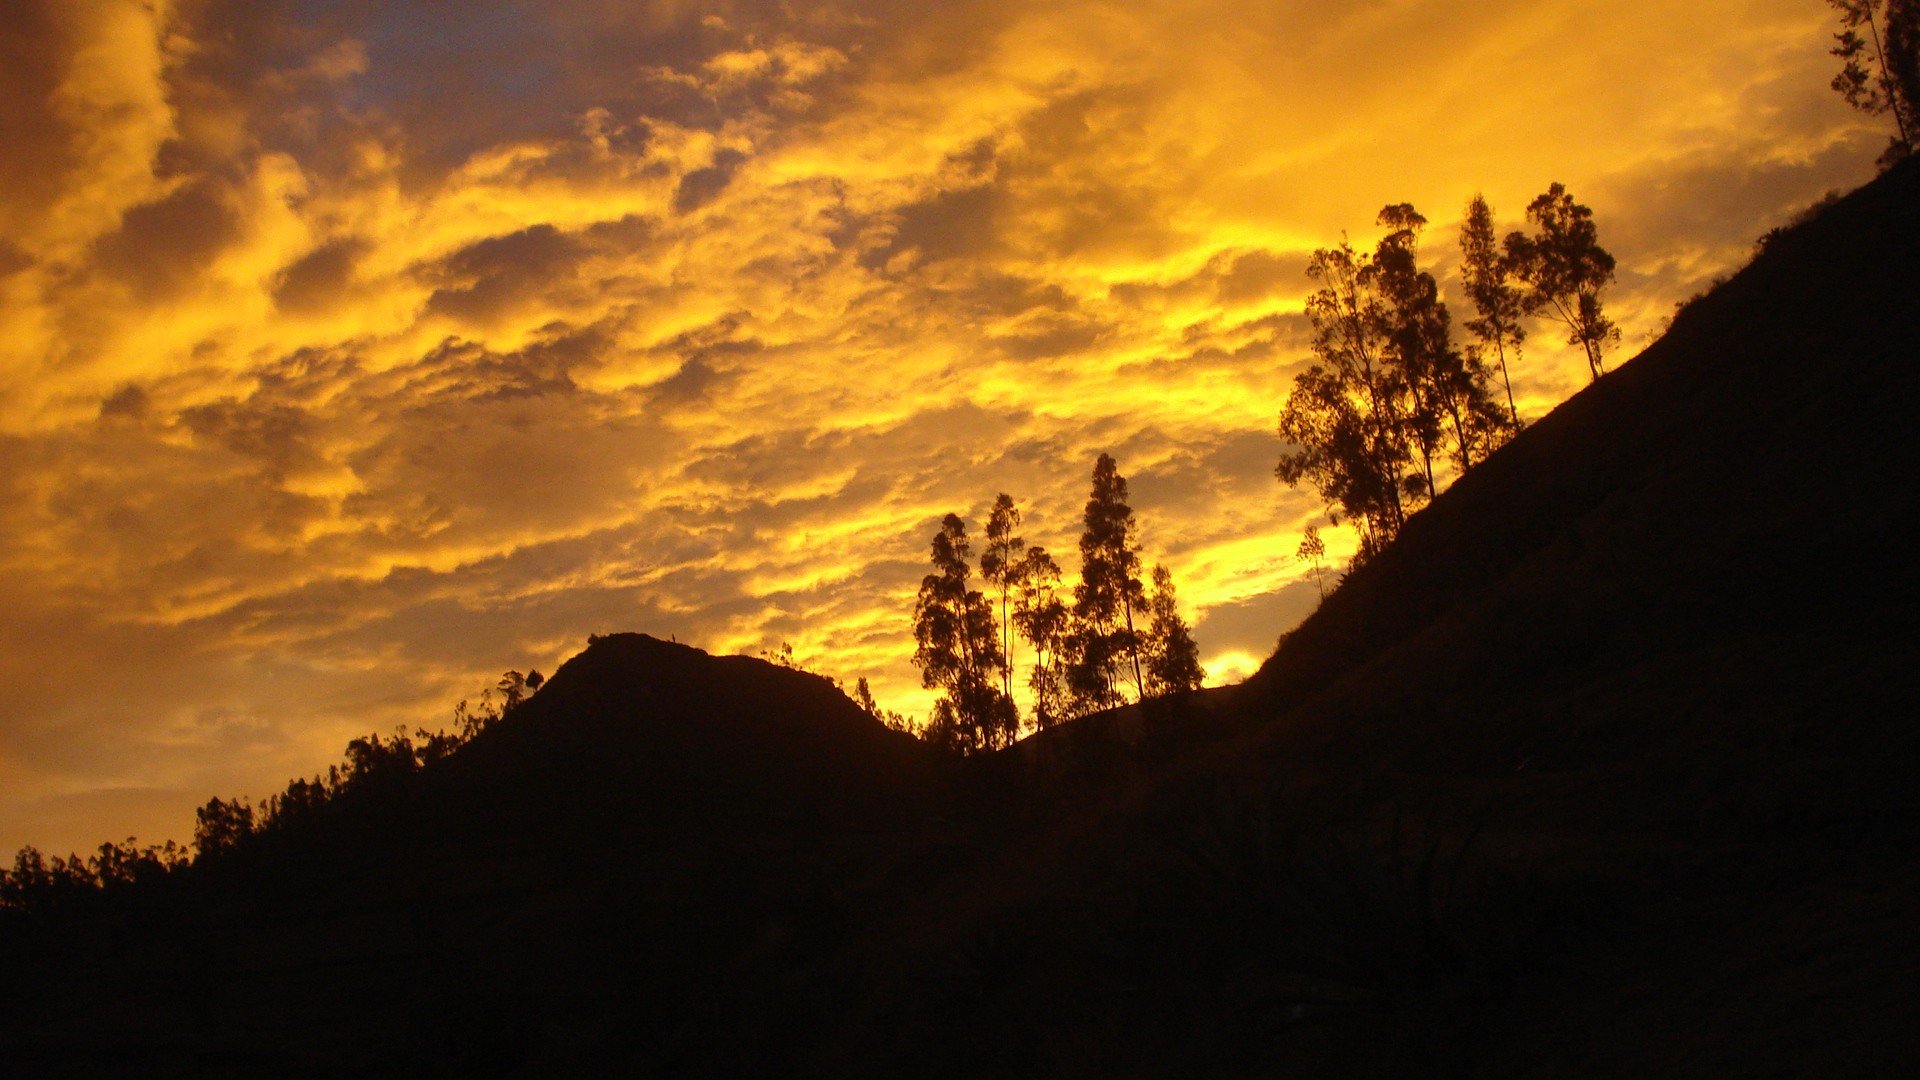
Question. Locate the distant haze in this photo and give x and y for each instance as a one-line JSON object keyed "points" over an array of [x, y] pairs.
{"points": [[354, 353]]}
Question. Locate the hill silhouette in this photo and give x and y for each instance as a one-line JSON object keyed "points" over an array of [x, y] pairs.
{"points": [[1602, 768], [657, 731]]}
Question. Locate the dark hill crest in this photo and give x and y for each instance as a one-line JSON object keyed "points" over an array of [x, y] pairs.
{"points": [[637, 726]]}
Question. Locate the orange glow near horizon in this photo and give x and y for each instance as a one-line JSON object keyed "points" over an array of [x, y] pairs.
{"points": [[355, 353]]}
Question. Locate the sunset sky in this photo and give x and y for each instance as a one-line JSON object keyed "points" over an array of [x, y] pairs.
{"points": [[354, 352]]}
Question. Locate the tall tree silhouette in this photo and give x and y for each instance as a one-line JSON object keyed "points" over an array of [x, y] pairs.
{"points": [[1108, 594], [1414, 328], [1565, 269], [957, 649], [1345, 417], [1173, 659], [1000, 563], [1389, 398], [1880, 71], [1046, 623], [1488, 278], [1452, 412]]}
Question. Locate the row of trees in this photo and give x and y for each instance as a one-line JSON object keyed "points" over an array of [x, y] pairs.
{"points": [[1390, 396], [1392, 405], [37, 882], [370, 761], [1109, 641]]}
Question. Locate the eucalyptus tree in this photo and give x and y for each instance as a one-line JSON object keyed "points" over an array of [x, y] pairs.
{"points": [[1344, 421], [1000, 564], [957, 647], [1452, 413], [1173, 659], [1312, 551], [1565, 269], [1488, 278], [1045, 621], [1106, 642]]}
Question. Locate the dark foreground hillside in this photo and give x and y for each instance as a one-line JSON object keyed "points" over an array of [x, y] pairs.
{"points": [[1605, 768]]}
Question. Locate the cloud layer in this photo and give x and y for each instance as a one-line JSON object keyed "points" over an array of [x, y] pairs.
{"points": [[355, 351]]}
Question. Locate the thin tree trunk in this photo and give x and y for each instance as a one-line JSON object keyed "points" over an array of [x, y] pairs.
{"points": [[1500, 350], [1572, 320], [1459, 436], [1133, 650], [1006, 643]]}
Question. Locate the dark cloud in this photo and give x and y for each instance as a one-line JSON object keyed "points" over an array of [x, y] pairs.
{"points": [[1056, 337], [36, 49], [953, 224], [1258, 275], [489, 277], [12, 259], [127, 403], [690, 383], [164, 247], [1716, 199], [318, 278], [276, 435], [700, 186]]}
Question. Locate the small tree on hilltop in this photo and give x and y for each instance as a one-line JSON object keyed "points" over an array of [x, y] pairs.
{"points": [[863, 697], [513, 691], [220, 826]]}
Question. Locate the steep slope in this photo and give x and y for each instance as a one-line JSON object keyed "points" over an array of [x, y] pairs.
{"points": [[1753, 470], [1667, 640], [1703, 562]]}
